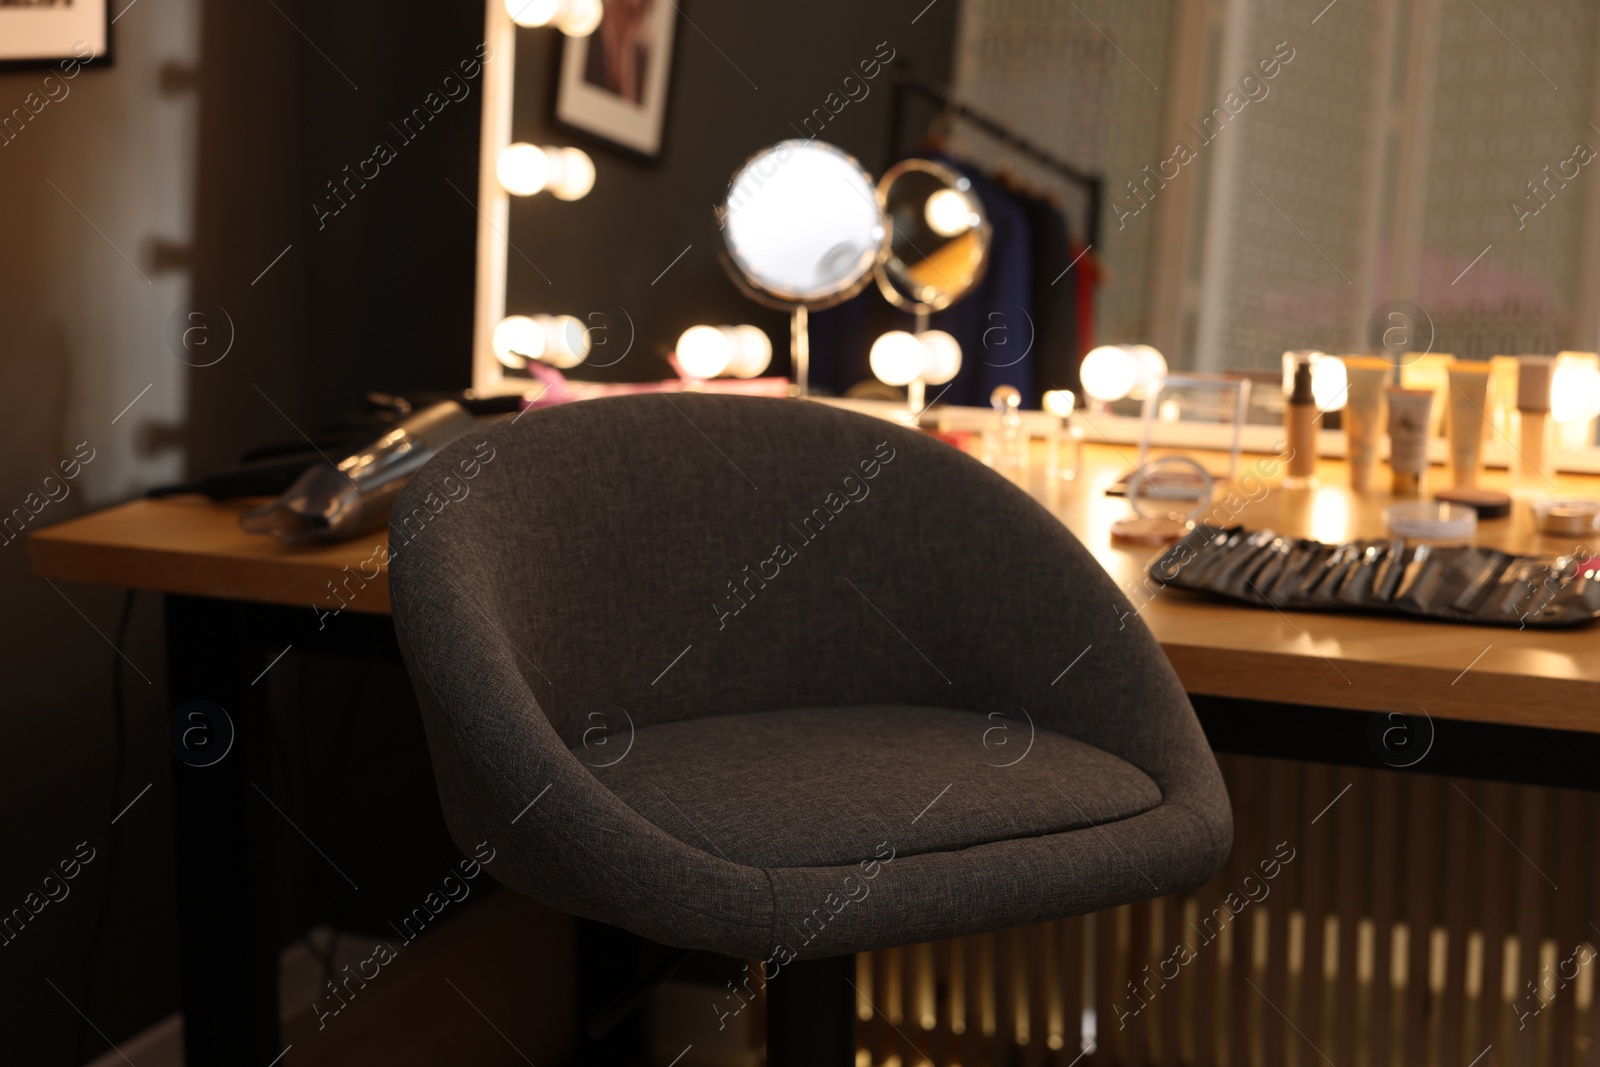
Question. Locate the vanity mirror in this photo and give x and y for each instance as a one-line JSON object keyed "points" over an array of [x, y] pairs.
{"points": [[938, 242], [938, 237], [803, 231]]}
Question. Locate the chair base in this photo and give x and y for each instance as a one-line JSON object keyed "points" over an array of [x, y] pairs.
{"points": [[811, 1019]]}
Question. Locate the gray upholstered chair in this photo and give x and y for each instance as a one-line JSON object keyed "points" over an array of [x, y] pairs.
{"points": [[783, 682]]}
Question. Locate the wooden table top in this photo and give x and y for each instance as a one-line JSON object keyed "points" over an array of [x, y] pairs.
{"points": [[1529, 677], [189, 545], [1526, 677]]}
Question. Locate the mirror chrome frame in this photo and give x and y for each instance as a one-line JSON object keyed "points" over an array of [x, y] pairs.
{"points": [[984, 229]]}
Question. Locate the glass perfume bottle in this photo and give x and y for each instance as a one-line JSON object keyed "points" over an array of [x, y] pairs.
{"points": [[1066, 437], [1006, 441]]}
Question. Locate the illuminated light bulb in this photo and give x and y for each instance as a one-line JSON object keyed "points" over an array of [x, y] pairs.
{"points": [[1575, 389], [518, 340], [752, 351], [580, 18], [941, 356], [533, 12], [524, 169], [704, 351], [571, 173], [947, 213], [897, 358], [1109, 373], [1060, 402], [566, 340], [575, 18], [1152, 368], [1330, 386]]}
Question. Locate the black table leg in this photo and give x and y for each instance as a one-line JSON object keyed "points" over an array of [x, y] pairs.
{"points": [[227, 948], [811, 1018]]}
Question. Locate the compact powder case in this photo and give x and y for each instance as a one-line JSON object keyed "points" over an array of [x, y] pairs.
{"points": [[1488, 503], [1567, 518], [1152, 530], [1425, 521]]}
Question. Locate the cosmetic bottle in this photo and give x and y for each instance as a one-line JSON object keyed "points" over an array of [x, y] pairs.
{"points": [[1006, 440], [1535, 375], [1300, 429]]}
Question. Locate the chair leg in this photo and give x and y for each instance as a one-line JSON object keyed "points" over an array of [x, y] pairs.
{"points": [[811, 1019]]}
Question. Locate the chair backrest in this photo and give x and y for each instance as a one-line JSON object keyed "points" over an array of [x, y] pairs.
{"points": [[692, 555]]}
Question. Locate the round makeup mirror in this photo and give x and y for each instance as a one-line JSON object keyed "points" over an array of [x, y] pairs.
{"points": [[801, 223], [938, 238], [803, 231]]}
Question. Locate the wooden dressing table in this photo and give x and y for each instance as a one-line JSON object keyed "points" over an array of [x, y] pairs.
{"points": [[191, 547], [1519, 706]]}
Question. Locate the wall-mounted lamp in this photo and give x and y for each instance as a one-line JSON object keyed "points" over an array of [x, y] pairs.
{"points": [[526, 169], [1060, 402], [915, 360], [900, 358], [558, 340], [708, 351], [1112, 372], [1108, 373], [1575, 399], [1152, 368], [1330, 385], [1575, 388], [575, 18]]}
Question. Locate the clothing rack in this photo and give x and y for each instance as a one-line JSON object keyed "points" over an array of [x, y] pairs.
{"points": [[905, 83]]}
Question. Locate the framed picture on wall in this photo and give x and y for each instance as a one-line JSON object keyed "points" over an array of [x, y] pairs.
{"points": [[48, 31], [614, 81]]}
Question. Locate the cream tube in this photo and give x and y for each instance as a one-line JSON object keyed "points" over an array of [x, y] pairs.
{"points": [[1363, 416], [1408, 438], [1469, 399]]}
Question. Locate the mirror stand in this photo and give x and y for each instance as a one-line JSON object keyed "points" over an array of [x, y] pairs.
{"points": [[915, 391], [799, 350], [803, 230], [917, 388]]}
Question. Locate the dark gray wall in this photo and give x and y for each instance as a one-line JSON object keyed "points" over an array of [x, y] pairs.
{"points": [[143, 182], [180, 172], [388, 299], [744, 76], [198, 156]]}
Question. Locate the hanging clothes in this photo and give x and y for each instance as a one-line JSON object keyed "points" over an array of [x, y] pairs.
{"points": [[1090, 273], [994, 322], [1057, 346]]}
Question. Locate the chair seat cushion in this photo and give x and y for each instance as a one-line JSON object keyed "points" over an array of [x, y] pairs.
{"points": [[823, 787]]}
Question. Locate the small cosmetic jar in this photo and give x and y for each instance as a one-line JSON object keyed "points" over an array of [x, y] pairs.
{"points": [[1431, 521], [1567, 518]]}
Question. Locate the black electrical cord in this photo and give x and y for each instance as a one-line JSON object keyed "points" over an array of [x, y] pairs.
{"points": [[119, 769]]}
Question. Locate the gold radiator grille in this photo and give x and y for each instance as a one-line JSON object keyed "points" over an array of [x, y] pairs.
{"points": [[1404, 921]]}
